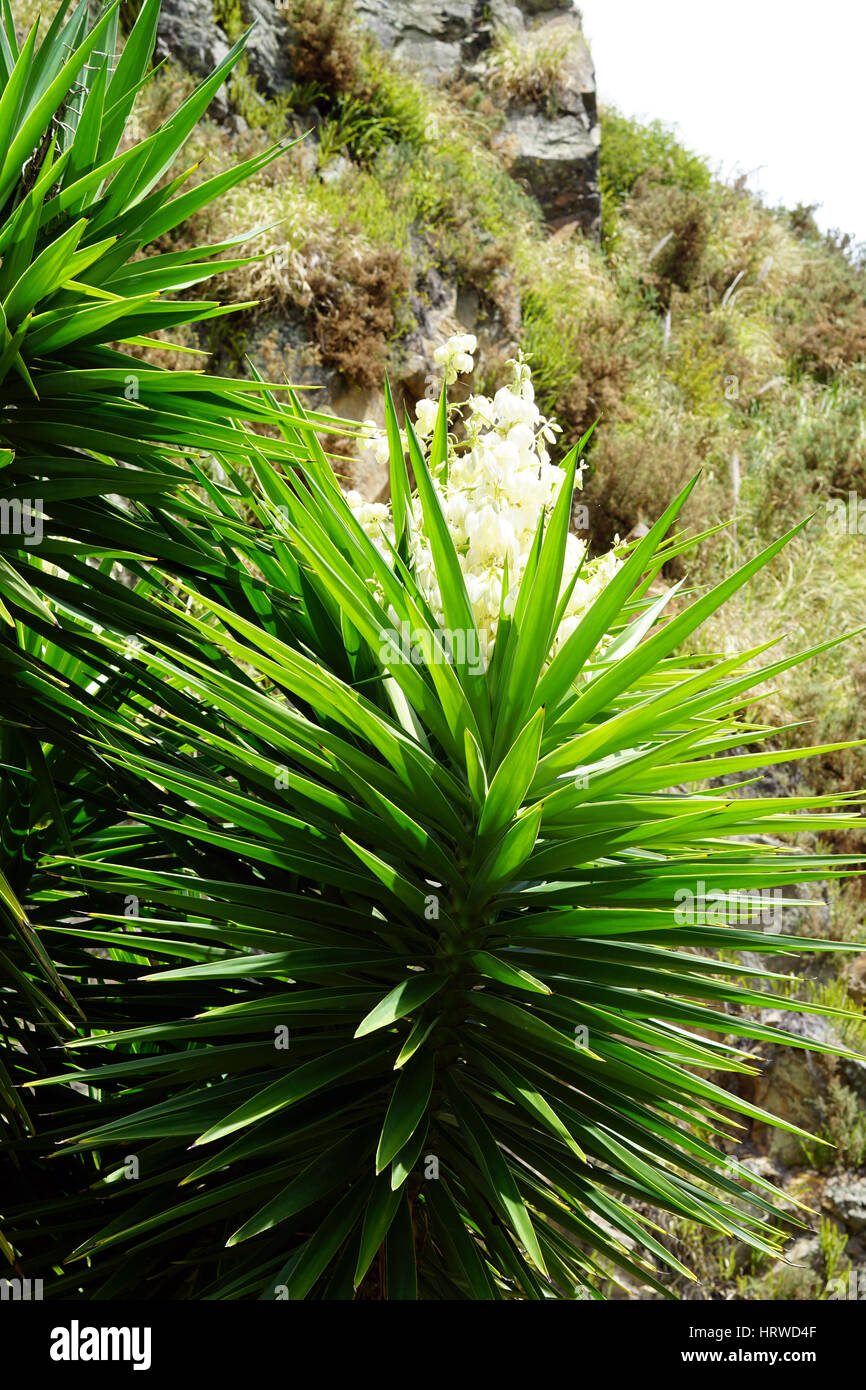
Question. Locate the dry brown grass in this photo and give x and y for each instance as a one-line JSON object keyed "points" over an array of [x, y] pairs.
{"points": [[327, 48]]}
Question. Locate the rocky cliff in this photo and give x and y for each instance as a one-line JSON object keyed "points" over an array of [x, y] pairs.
{"points": [[550, 131]]}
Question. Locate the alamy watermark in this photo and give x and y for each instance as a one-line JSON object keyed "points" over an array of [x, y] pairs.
{"points": [[444, 645], [846, 518], [20, 1290], [853, 1287], [716, 908], [22, 516], [77, 1343]]}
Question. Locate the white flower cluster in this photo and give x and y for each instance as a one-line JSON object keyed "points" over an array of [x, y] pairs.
{"points": [[498, 482], [456, 356]]}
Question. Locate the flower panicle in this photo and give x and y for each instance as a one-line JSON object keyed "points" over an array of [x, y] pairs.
{"points": [[499, 482]]}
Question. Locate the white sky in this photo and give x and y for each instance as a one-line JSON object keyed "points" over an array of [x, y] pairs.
{"points": [[771, 88]]}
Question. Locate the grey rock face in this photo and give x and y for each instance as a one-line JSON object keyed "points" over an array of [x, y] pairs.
{"points": [[557, 160], [456, 29], [846, 1198], [268, 46], [430, 35], [188, 32], [439, 37]]}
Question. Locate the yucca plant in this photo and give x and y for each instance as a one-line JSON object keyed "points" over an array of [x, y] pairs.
{"points": [[103, 456], [386, 985], [393, 997], [91, 435]]}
